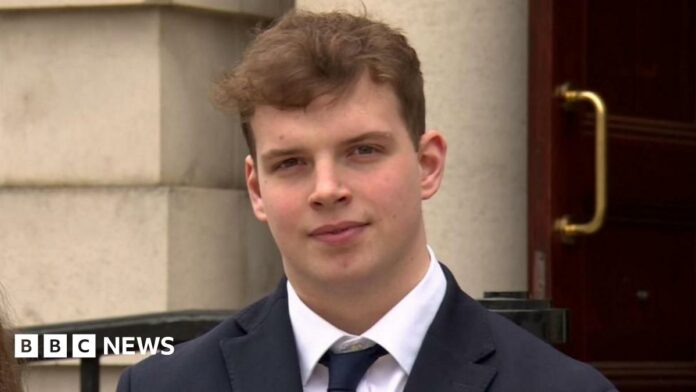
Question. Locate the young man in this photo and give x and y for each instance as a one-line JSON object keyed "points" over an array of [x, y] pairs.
{"points": [[340, 161]]}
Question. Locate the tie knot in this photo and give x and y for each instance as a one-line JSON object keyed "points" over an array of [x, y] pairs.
{"points": [[347, 369]]}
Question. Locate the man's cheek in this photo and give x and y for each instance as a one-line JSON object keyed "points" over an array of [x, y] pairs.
{"points": [[390, 191], [285, 213]]}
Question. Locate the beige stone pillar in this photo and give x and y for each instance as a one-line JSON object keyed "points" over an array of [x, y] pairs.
{"points": [[474, 59], [121, 187]]}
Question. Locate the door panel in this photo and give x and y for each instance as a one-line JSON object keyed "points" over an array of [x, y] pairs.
{"points": [[638, 311], [638, 53], [631, 287]]}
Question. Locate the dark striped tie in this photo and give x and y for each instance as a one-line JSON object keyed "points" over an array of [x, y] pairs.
{"points": [[347, 369]]}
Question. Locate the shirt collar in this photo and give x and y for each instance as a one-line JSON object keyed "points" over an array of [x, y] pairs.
{"points": [[313, 334], [400, 331]]}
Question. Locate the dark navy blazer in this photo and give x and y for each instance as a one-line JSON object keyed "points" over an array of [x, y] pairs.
{"points": [[466, 349]]}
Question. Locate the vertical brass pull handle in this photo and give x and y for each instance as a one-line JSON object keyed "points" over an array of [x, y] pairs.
{"points": [[563, 224]]}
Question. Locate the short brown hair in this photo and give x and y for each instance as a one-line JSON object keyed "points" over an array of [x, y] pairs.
{"points": [[306, 55]]}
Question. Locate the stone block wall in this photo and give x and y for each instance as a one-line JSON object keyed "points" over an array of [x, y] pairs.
{"points": [[121, 186]]}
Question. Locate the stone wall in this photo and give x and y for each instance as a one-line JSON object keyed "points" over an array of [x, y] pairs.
{"points": [[121, 186]]}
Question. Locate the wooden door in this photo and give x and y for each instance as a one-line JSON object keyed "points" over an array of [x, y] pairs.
{"points": [[631, 287]]}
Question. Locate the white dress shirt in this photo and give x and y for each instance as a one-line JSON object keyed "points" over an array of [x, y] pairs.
{"points": [[400, 331]]}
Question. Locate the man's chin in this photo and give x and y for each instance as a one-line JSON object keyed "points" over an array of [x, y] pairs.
{"points": [[349, 275]]}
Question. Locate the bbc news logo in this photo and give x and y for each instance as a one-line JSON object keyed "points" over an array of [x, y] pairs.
{"points": [[85, 346]]}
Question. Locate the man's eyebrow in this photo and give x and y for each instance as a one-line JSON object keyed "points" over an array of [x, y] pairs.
{"points": [[368, 136], [280, 152], [275, 153]]}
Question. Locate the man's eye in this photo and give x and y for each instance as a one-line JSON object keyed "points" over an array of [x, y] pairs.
{"points": [[288, 163], [364, 150]]}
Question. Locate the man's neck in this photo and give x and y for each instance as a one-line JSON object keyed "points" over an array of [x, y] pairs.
{"points": [[357, 307]]}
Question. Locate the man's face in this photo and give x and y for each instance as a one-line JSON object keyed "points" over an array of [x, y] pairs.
{"points": [[340, 185]]}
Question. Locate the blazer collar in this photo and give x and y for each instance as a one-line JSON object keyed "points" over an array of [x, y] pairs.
{"points": [[455, 347], [265, 357]]}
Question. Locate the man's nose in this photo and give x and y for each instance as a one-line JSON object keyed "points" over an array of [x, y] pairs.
{"points": [[329, 189]]}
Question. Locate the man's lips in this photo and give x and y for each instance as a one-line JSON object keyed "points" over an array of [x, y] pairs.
{"points": [[336, 228], [339, 233]]}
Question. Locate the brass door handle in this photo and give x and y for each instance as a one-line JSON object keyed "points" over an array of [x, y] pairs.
{"points": [[563, 224]]}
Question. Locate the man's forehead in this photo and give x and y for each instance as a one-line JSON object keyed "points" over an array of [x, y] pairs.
{"points": [[364, 86]]}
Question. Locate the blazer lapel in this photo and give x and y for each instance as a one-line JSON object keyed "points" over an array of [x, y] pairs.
{"points": [[265, 359], [457, 343]]}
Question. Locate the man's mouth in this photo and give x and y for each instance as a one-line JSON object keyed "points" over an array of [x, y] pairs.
{"points": [[339, 233]]}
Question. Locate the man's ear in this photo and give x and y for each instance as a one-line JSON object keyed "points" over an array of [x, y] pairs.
{"points": [[431, 157], [252, 182]]}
